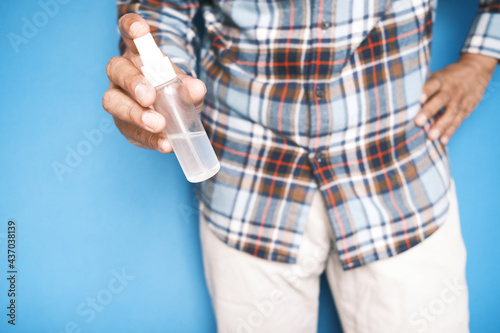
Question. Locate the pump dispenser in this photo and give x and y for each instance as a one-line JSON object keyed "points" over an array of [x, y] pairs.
{"points": [[184, 128]]}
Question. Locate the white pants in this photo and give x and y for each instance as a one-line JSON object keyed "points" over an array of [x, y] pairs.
{"points": [[421, 290]]}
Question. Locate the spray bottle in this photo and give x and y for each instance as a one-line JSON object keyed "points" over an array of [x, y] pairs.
{"points": [[184, 128]]}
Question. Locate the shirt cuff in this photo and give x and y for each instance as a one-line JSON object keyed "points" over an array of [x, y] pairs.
{"points": [[484, 35]]}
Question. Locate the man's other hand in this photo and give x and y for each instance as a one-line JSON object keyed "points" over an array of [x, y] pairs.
{"points": [[457, 89]]}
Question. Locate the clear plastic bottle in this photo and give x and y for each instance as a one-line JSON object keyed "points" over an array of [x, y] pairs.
{"points": [[184, 128]]}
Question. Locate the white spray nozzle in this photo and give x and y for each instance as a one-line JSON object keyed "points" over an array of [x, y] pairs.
{"points": [[157, 68]]}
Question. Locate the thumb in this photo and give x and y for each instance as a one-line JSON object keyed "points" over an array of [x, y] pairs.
{"points": [[196, 87]]}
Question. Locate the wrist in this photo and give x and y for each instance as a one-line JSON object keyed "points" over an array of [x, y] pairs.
{"points": [[479, 62]]}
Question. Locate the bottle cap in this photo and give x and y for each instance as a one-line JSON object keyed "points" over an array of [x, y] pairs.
{"points": [[157, 68]]}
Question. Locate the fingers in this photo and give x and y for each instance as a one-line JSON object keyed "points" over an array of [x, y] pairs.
{"points": [[132, 26], [457, 114], [125, 75], [143, 138], [436, 103], [452, 127], [120, 105], [443, 95], [437, 96], [122, 72], [447, 123], [431, 87]]}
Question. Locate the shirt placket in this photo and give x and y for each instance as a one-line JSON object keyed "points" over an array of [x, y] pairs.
{"points": [[318, 88]]}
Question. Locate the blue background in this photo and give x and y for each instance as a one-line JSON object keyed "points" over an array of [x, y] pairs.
{"points": [[127, 208]]}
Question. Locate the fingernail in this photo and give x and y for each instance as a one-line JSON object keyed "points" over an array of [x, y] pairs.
{"points": [[423, 98], [444, 140], [434, 134], [164, 146], [420, 120], [151, 120], [134, 28], [140, 92]]}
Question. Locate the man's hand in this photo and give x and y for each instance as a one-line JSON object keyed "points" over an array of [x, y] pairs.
{"points": [[458, 89], [130, 96]]}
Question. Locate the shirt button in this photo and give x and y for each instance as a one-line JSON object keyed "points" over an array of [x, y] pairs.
{"points": [[319, 157], [325, 25], [320, 93]]}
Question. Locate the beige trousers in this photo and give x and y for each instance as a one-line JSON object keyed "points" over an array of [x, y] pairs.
{"points": [[421, 290]]}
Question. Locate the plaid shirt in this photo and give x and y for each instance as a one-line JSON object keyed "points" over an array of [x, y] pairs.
{"points": [[317, 94]]}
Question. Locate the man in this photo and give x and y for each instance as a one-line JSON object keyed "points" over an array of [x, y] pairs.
{"points": [[332, 146]]}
